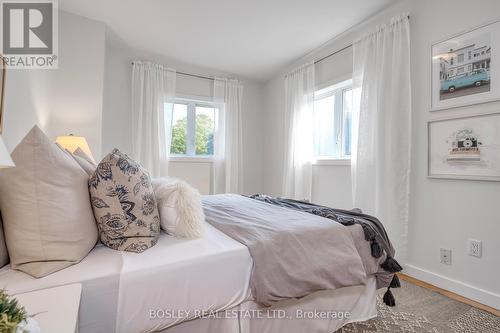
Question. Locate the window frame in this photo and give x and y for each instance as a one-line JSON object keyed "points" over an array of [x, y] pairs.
{"points": [[335, 88], [191, 104]]}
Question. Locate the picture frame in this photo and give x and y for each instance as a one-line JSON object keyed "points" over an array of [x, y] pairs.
{"points": [[465, 147], [3, 74], [464, 69]]}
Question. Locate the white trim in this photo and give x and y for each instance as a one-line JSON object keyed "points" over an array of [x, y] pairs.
{"points": [[193, 98], [474, 293], [190, 159], [334, 81], [332, 161], [333, 89]]}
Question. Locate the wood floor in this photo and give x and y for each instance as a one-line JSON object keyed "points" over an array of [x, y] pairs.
{"points": [[449, 294]]}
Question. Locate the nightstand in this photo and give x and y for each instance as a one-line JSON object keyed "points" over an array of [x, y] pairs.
{"points": [[57, 307]]}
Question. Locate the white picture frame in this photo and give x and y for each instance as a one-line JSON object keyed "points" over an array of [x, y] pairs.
{"points": [[466, 147], [464, 69]]}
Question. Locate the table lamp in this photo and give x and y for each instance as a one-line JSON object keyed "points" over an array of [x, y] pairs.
{"points": [[5, 160], [72, 142]]}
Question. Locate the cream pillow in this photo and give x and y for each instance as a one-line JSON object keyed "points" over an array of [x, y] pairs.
{"points": [[124, 204], [47, 217], [79, 152], [88, 167], [179, 204]]}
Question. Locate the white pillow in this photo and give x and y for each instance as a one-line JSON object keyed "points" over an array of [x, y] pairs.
{"points": [[179, 204]]}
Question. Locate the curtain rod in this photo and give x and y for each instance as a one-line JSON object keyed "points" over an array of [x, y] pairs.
{"points": [[338, 51], [199, 76]]}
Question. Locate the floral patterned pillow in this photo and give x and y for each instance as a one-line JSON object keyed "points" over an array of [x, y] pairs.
{"points": [[124, 204]]}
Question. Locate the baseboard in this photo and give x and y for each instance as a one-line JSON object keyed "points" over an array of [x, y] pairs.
{"points": [[462, 289]]}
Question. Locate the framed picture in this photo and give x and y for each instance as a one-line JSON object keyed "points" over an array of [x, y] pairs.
{"points": [[466, 68], [2, 91], [465, 148]]}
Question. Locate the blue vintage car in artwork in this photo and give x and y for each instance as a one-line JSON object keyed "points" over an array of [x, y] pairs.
{"points": [[474, 78]]}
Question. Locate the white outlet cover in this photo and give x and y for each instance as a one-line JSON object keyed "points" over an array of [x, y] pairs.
{"points": [[445, 256], [475, 248]]}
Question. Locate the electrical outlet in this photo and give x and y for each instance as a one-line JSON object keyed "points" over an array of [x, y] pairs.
{"points": [[445, 256], [475, 248]]}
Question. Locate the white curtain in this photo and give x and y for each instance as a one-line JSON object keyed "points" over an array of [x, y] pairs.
{"points": [[228, 158], [299, 104], [380, 162], [152, 87]]}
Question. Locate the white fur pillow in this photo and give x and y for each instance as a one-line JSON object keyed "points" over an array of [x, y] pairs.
{"points": [[179, 204]]}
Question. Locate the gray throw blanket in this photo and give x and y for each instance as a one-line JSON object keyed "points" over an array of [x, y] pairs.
{"points": [[294, 253], [374, 231]]}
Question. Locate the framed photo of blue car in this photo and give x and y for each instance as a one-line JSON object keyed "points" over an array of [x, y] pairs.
{"points": [[466, 68]]}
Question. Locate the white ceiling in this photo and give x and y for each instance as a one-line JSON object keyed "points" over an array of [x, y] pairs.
{"points": [[252, 38]]}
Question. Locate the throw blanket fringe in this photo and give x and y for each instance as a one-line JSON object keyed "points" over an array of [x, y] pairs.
{"points": [[373, 230]]}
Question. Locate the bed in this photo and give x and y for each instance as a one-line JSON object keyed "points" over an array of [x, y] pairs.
{"points": [[167, 289]]}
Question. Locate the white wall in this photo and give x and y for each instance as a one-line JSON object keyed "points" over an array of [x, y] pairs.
{"points": [[117, 112], [64, 100], [89, 95], [443, 213]]}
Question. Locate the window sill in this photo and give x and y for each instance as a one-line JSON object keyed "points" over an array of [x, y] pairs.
{"points": [[332, 161], [191, 159]]}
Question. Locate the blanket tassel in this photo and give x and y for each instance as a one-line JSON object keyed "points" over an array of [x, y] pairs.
{"points": [[376, 250], [389, 298], [395, 282], [391, 265]]}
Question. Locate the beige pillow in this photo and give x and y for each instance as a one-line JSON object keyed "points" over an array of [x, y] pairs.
{"points": [[48, 220], [88, 167], [79, 152], [124, 204], [4, 254]]}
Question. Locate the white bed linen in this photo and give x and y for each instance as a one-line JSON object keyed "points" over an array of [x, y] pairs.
{"points": [[99, 274], [359, 301], [207, 274], [211, 273]]}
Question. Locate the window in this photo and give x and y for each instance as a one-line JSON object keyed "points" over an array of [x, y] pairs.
{"points": [[193, 125], [460, 58], [332, 119]]}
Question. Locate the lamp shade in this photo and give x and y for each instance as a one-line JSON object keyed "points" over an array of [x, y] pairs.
{"points": [[72, 142], [5, 160]]}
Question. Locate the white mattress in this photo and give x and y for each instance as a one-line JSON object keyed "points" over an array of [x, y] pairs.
{"points": [[120, 288]]}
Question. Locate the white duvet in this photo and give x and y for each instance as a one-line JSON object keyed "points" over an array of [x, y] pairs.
{"points": [[177, 276]]}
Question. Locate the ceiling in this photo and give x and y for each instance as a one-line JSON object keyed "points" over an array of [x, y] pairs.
{"points": [[251, 38]]}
